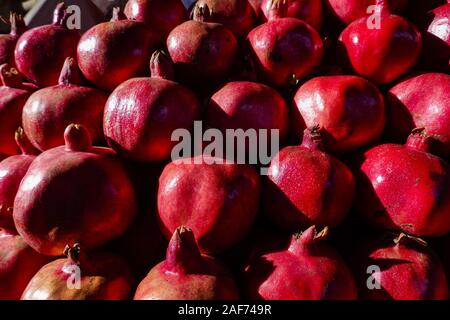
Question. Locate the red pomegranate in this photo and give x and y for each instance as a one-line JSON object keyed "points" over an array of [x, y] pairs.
{"points": [[113, 52], [13, 96], [81, 276], [422, 101], [8, 41], [285, 50], [74, 193], [203, 52], [41, 51], [12, 171], [403, 269], [237, 15], [160, 15], [307, 270], [306, 186], [142, 113], [186, 274], [402, 187], [349, 109], [49, 111], [308, 10], [215, 198], [384, 52]]}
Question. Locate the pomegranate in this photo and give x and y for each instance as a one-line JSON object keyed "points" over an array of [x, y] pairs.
{"points": [[305, 186], [74, 193], [203, 52], [102, 276], [186, 274], [308, 10], [18, 264], [285, 50], [12, 171], [307, 270], [41, 51], [349, 109], [405, 188], [403, 269], [422, 101], [13, 96], [142, 113], [8, 41], [160, 15], [49, 111], [112, 52], [384, 52], [237, 15], [215, 198]]}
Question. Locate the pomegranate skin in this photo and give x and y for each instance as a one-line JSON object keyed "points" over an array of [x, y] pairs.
{"points": [[307, 270], [187, 275], [49, 111], [349, 109], [381, 55], [74, 193], [18, 264], [402, 187], [306, 186], [285, 50], [103, 276], [218, 201], [8, 41], [160, 15]]}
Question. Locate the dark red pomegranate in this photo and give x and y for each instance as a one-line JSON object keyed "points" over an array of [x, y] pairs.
{"points": [[8, 41], [307, 270], [422, 101], [49, 111], [186, 274], [381, 53], [400, 269], [203, 52], [306, 186], [41, 51], [142, 113], [160, 15], [113, 52], [308, 10], [18, 264], [285, 50], [237, 15], [217, 199], [74, 193], [403, 187], [12, 171], [81, 276], [13, 96]]}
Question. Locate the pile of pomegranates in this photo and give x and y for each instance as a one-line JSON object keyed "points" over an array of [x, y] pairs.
{"points": [[226, 150]]}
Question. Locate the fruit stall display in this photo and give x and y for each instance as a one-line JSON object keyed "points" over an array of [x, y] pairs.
{"points": [[354, 205]]}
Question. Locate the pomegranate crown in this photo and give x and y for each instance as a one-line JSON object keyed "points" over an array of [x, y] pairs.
{"points": [[161, 66], [77, 138], [304, 240], [183, 254], [9, 76], [70, 73], [73, 253], [24, 143]]}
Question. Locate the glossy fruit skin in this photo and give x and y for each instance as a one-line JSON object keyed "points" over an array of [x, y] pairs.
{"points": [[18, 264], [187, 275], [160, 15], [381, 55], [349, 109], [305, 271], [306, 186], [104, 276], [218, 201], [285, 50], [113, 52], [8, 41], [248, 105], [421, 101], [422, 208], [92, 180]]}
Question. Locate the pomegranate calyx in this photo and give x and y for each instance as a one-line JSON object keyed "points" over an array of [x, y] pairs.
{"points": [[77, 138], [10, 77], [201, 13], [405, 237], [24, 143], [419, 140], [73, 253], [16, 23], [277, 9], [312, 138], [70, 73], [183, 254], [117, 15], [161, 66], [301, 241], [59, 13]]}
